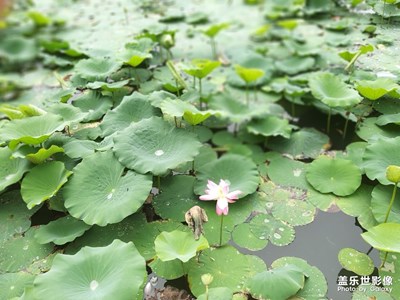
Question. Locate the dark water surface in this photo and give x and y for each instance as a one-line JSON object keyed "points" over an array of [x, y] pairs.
{"points": [[319, 244]]}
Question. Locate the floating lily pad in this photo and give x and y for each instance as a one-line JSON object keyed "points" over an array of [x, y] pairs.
{"points": [[153, 145], [378, 156], [100, 192], [294, 212], [381, 196], [115, 271], [189, 112], [270, 126], [315, 286], [332, 91], [13, 284], [11, 169], [374, 90], [61, 231], [244, 237], [246, 180], [97, 68], [337, 176], [249, 74], [355, 261], [43, 182], [381, 237]]}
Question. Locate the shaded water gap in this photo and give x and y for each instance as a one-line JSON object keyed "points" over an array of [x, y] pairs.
{"points": [[319, 244]]}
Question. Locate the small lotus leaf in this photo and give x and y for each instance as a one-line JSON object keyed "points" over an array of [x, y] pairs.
{"points": [[244, 237], [214, 29], [178, 245], [13, 284], [378, 156], [278, 283], [374, 89], [11, 169], [61, 231], [42, 154], [270, 126], [168, 270], [295, 64], [249, 74], [370, 292], [200, 68], [381, 237], [381, 196], [153, 145], [358, 203], [115, 271], [355, 261], [332, 91], [338, 176], [96, 68], [315, 286], [17, 49], [43, 182], [93, 104]]}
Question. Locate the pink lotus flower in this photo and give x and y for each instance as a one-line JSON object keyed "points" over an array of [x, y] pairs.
{"points": [[220, 192]]}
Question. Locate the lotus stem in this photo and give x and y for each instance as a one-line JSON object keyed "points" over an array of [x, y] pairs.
{"points": [[176, 122], [206, 291], [194, 82], [328, 122], [255, 94], [352, 61], [346, 125], [200, 92], [159, 183], [213, 48], [384, 260], [220, 230], [293, 109], [391, 203], [247, 94]]}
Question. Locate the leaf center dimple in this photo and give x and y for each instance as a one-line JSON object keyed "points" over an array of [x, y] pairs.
{"points": [[159, 152], [94, 285]]}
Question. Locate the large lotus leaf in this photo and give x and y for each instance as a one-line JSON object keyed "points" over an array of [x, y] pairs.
{"points": [[97, 68], [219, 262], [315, 286], [278, 283], [32, 131], [378, 156], [168, 270], [61, 231], [11, 169], [115, 271], [374, 89], [244, 237], [355, 261], [270, 126], [338, 176], [305, 143], [295, 64], [43, 182], [370, 292], [391, 271], [332, 91], [381, 237], [178, 245], [14, 215], [276, 231], [93, 104], [133, 108], [13, 284], [176, 193], [370, 131], [381, 196], [100, 192], [219, 293], [19, 252], [153, 145], [42, 154], [241, 172]]}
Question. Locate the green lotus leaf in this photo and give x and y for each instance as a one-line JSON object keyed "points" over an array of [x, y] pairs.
{"points": [[31, 131], [115, 271], [179, 108], [14, 215], [169, 270], [381, 196], [153, 145], [13, 284], [358, 203], [294, 212], [305, 143], [390, 270], [375, 89], [295, 64], [38, 18], [309, 47], [105, 86], [315, 286], [97, 68], [378, 156], [132, 108], [17, 49], [137, 51], [338, 176], [332, 91], [249, 74], [219, 293], [370, 292], [61, 231], [278, 232], [24, 251], [388, 119], [11, 169], [100, 192], [43, 182], [200, 68], [347, 55], [68, 112], [227, 168], [176, 192], [93, 104], [278, 283], [270, 126], [214, 29], [355, 261], [178, 245], [370, 131], [244, 237], [76, 148], [381, 237], [220, 262], [43, 154]]}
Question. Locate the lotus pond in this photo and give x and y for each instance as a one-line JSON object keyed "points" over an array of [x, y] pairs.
{"points": [[237, 149]]}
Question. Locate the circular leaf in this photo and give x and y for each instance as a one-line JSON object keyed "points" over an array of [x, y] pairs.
{"points": [[11, 169], [270, 126], [241, 172], [100, 193], [153, 145], [116, 271], [338, 176], [96, 68], [355, 261], [244, 237], [294, 212]]}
